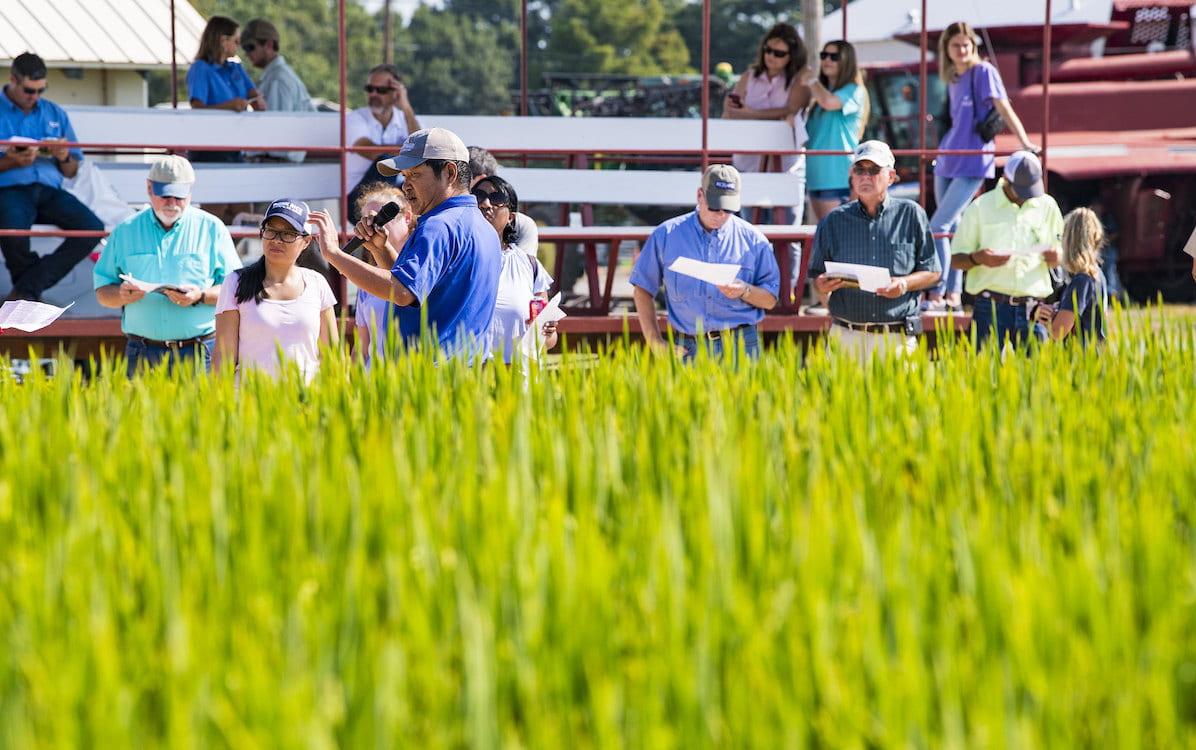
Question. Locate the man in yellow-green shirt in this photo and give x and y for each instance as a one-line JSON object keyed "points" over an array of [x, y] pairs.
{"points": [[1007, 241]]}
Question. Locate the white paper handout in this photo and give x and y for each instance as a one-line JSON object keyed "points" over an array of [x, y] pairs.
{"points": [[530, 343], [719, 274], [29, 316], [870, 278], [149, 287]]}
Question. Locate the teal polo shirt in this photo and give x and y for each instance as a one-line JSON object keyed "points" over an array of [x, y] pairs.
{"points": [[196, 250]]}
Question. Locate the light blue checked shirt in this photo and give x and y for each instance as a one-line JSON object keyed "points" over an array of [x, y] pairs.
{"points": [[692, 302]]}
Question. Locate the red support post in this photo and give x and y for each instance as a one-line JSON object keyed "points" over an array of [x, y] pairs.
{"points": [[174, 62], [922, 80], [523, 58], [1046, 89], [843, 8], [705, 84], [344, 154]]}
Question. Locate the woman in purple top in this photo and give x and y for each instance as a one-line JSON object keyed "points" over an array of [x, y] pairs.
{"points": [[974, 88]]}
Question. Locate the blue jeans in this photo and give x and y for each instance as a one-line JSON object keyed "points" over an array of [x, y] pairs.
{"points": [[952, 195], [1005, 321], [727, 344], [21, 207], [141, 354]]}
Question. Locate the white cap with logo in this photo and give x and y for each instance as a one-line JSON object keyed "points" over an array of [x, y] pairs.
{"points": [[877, 152], [430, 143]]}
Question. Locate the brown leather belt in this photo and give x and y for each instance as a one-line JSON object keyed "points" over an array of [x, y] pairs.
{"points": [[870, 327]]}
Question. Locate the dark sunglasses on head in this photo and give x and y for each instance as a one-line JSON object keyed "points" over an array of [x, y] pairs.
{"points": [[832, 56], [32, 92], [776, 52], [377, 89], [868, 171], [498, 200]]}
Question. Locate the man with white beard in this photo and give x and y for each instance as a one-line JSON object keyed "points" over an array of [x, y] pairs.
{"points": [[163, 267]]}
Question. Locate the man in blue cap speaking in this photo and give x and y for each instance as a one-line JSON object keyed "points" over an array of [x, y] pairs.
{"points": [[446, 274], [163, 267]]}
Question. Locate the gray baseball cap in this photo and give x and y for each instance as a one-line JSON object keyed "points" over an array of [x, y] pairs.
{"points": [[721, 184], [172, 176], [1023, 172], [430, 143]]}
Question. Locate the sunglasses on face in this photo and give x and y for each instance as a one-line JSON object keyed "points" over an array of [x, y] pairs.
{"points": [[34, 92], [251, 46], [863, 171], [285, 236], [776, 52], [377, 89], [832, 56], [497, 200]]}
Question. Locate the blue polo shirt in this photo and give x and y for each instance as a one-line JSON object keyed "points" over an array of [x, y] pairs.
{"points": [[197, 250], [216, 84], [451, 263], [45, 120], [690, 300]]}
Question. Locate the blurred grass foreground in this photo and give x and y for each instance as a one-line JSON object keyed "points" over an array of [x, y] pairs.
{"points": [[958, 551]]}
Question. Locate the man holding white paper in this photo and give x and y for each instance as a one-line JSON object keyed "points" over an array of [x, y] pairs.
{"points": [[1008, 241], [719, 272], [185, 252], [871, 257]]}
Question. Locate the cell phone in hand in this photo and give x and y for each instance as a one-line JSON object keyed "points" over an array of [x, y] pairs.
{"points": [[736, 99]]}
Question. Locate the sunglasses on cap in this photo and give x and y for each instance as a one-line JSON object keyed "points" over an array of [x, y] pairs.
{"points": [[498, 200], [377, 89], [776, 52], [832, 56]]}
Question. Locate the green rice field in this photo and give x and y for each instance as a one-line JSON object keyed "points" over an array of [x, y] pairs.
{"points": [[958, 551]]}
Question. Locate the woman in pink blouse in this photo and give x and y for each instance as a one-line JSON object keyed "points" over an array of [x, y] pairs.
{"points": [[771, 89], [273, 311]]}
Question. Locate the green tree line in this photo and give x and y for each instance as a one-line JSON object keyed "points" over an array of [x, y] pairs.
{"points": [[463, 57]]}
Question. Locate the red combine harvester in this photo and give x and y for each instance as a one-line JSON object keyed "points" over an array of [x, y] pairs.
{"points": [[1122, 129]]}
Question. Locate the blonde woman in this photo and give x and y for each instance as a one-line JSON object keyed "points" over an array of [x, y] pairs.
{"points": [[836, 123], [974, 90], [373, 313], [1082, 306]]}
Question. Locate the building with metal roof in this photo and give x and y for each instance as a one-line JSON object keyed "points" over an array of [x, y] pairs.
{"points": [[98, 51]]}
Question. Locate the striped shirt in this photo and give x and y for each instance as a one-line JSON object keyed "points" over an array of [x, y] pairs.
{"points": [[897, 238]]}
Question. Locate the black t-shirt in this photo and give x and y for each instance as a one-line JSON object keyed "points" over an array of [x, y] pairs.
{"points": [[1084, 296]]}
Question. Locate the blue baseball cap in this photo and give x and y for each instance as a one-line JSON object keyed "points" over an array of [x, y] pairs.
{"points": [[295, 213]]}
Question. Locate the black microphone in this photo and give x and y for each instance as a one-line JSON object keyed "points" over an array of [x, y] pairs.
{"points": [[381, 219]]}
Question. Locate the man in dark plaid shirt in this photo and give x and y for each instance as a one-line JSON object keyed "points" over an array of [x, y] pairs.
{"points": [[875, 230]]}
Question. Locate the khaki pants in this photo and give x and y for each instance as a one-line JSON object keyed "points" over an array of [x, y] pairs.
{"points": [[864, 345]]}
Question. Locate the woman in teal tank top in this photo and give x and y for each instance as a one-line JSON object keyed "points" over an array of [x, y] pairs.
{"points": [[836, 123]]}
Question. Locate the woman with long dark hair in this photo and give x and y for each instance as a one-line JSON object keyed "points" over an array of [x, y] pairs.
{"points": [[215, 81], [974, 90], [274, 311], [836, 123], [771, 90]]}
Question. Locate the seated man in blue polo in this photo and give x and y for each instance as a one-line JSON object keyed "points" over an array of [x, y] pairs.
{"points": [[169, 243], [879, 230], [446, 274], [700, 311], [31, 181]]}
